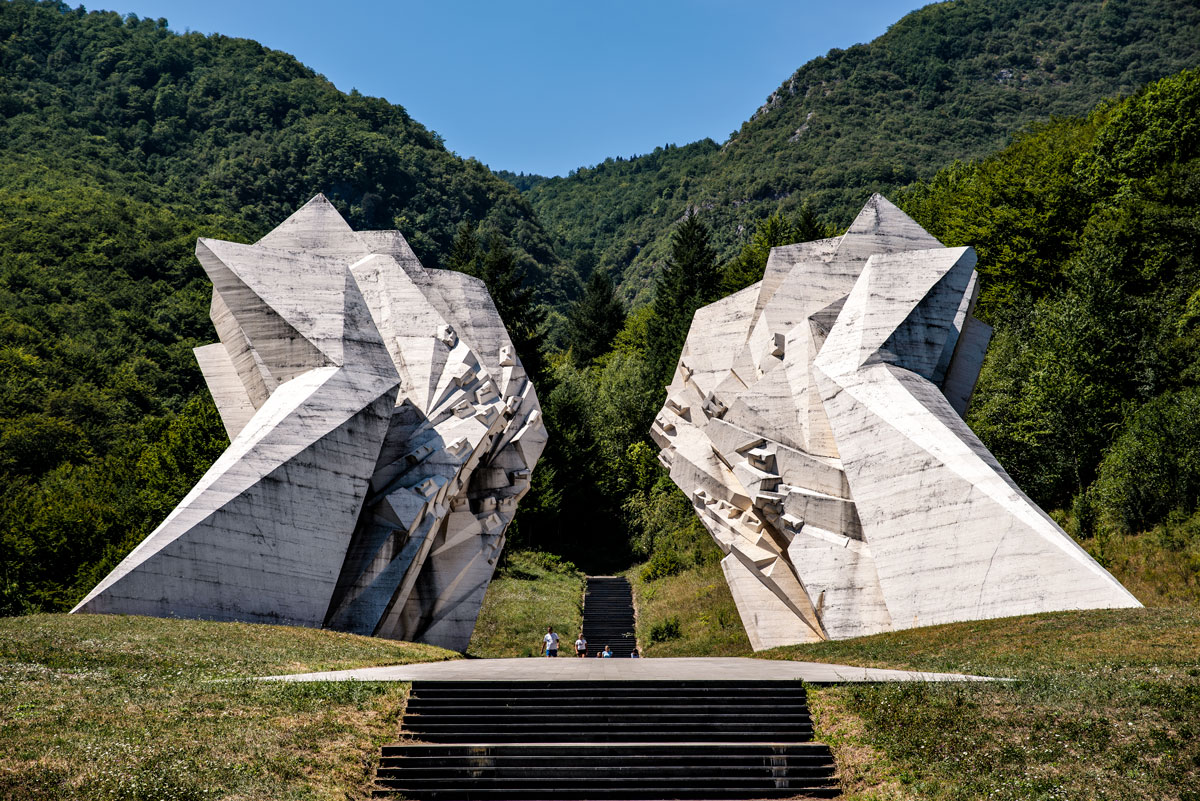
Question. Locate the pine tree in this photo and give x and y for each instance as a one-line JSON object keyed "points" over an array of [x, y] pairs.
{"points": [[689, 280], [594, 319], [464, 251]]}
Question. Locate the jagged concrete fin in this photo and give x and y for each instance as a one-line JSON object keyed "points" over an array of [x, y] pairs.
{"points": [[858, 472], [339, 475]]}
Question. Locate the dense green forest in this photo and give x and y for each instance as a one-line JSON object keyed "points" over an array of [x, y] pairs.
{"points": [[949, 81], [226, 125], [122, 142], [1086, 230]]}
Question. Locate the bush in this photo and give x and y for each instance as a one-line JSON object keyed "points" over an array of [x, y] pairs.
{"points": [[662, 564], [1153, 468], [664, 630], [550, 562]]}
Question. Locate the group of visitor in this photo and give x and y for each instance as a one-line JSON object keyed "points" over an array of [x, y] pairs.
{"points": [[550, 646]]}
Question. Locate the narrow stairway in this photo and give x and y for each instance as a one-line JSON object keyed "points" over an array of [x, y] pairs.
{"points": [[607, 618], [607, 739]]}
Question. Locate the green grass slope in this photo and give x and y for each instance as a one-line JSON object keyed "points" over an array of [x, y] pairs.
{"points": [[1106, 706], [949, 81], [130, 708], [531, 591], [689, 613]]}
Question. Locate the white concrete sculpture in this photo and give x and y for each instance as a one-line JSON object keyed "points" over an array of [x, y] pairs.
{"points": [[815, 419], [382, 431]]}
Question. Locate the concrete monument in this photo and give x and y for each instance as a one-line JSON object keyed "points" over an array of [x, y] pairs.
{"points": [[382, 431], [815, 420]]}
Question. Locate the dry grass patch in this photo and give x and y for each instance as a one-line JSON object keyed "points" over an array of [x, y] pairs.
{"points": [[1158, 567], [126, 708]]}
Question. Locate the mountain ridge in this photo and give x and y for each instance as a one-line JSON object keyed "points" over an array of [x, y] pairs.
{"points": [[950, 81]]}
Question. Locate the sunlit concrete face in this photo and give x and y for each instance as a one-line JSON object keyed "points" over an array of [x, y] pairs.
{"points": [[382, 432], [815, 420]]}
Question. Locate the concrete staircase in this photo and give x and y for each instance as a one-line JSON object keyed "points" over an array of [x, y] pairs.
{"points": [[607, 739], [607, 618]]}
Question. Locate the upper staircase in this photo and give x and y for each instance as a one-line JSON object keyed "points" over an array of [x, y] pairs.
{"points": [[607, 618]]}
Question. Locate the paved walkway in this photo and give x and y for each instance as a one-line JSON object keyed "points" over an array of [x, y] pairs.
{"points": [[683, 668]]}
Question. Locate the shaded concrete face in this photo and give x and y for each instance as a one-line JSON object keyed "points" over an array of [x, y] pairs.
{"points": [[382, 432], [815, 419]]}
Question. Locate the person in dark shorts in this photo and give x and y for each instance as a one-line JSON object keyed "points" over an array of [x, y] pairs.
{"points": [[550, 642], [581, 646]]}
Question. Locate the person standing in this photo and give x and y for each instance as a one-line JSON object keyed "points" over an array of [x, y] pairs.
{"points": [[550, 642], [581, 646]]}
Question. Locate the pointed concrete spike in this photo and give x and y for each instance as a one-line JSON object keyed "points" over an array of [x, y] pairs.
{"points": [[271, 339], [881, 227], [317, 228], [911, 311]]}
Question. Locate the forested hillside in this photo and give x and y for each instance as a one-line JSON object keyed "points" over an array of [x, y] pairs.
{"points": [[1087, 234], [950, 81], [226, 125], [120, 143]]}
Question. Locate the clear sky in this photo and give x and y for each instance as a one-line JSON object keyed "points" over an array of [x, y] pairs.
{"points": [[545, 87]]}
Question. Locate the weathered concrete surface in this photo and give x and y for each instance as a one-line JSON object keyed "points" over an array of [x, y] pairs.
{"points": [[382, 431], [815, 419]]}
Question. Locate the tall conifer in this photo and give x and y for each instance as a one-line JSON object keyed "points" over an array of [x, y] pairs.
{"points": [[594, 319], [689, 280]]}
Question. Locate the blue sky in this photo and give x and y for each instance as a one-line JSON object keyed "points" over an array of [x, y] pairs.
{"points": [[545, 87]]}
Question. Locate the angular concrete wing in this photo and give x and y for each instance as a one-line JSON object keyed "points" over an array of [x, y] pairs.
{"points": [[382, 431], [816, 422]]}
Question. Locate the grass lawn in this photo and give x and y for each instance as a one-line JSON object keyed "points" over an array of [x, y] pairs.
{"points": [[688, 614], [125, 708], [531, 591], [1106, 706]]}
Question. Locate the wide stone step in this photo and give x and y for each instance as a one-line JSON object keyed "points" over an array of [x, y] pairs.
{"points": [[512, 688], [610, 708], [676, 723], [612, 770], [681, 750], [472, 792], [601, 736], [640, 783], [601, 689]]}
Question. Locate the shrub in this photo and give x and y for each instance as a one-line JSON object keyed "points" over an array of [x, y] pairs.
{"points": [[1153, 468], [662, 564], [664, 630], [550, 562]]}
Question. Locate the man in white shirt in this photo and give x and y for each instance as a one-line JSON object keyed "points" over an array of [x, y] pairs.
{"points": [[550, 642], [581, 646]]}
